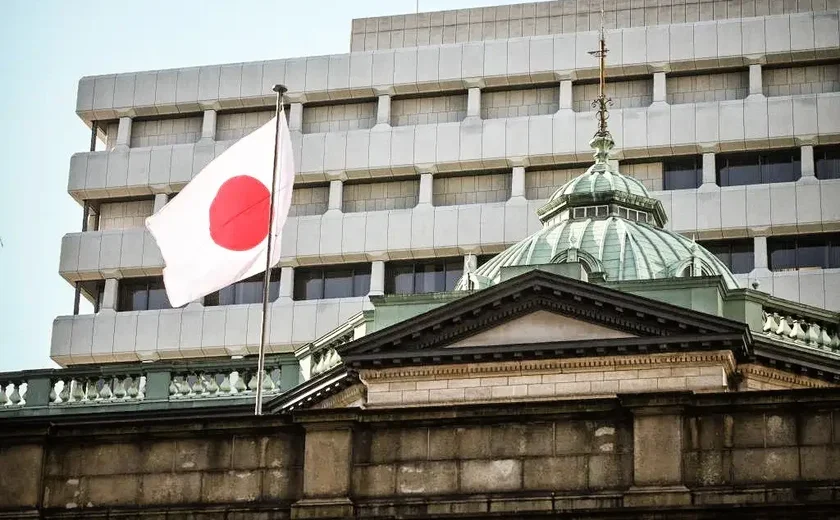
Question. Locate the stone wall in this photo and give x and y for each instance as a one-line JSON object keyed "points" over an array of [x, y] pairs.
{"points": [[698, 88], [812, 79], [155, 132], [669, 452], [309, 200], [471, 189], [541, 184], [236, 125], [624, 94], [380, 196], [428, 110], [519, 102], [125, 215], [337, 118], [557, 17]]}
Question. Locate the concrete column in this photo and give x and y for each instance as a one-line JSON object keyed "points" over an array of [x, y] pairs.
{"points": [[426, 184], [517, 182], [760, 256], [756, 88], [709, 172], [208, 126], [124, 133], [474, 102], [377, 278], [383, 111], [160, 201], [109, 295], [336, 195], [296, 117], [659, 87], [566, 94], [287, 283], [470, 263], [807, 162]]}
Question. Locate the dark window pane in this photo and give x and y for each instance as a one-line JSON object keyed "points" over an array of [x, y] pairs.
{"points": [[429, 278], [399, 279], [338, 283], [249, 291], [782, 253], [827, 162], [157, 296], [738, 170], [309, 284], [834, 253], [743, 257], [780, 166], [453, 274], [682, 173], [361, 283], [811, 252]]}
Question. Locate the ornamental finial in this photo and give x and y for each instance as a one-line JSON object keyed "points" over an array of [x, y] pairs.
{"points": [[602, 142]]}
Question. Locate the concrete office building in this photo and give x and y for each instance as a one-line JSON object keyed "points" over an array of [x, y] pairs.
{"points": [[432, 143]]}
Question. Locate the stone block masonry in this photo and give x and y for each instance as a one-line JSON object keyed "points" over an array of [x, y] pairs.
{"points": [[309, 200], [471, 189], [428, 110], [699, 88], [519, 103], [236, 125], [811, 79], [337, 118], [156, 132], [380, 196], [541, 184]]}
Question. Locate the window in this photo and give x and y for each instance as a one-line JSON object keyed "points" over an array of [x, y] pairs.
{"points": [[737, 255], [591, 212], [93, 291], [804, 251], [343, 281], [426, 276], [682, 173], [142, 294], [249, 290], [758, 168], [827, 162]]}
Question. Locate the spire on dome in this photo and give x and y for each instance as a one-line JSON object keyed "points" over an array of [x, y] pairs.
{"points": [[602, 142]]}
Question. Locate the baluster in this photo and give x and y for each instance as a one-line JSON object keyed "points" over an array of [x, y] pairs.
{"points": [[252, 384], [119, 388], [212, 386], [132, 390], [784, 327], [3, 399], [15, 397], [198, 386], [184, 386], [53, 395], [240, 381], [268, 383], [77, 391], [173, 388], [92, 392], [65, 391], [770, 324], [224, 388], [105, 392]]}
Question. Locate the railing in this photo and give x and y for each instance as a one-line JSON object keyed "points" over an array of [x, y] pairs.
{"points": [[801, 330], [139, 383]]}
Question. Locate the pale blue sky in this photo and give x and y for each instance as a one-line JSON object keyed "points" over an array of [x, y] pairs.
{"points": [[47, 45]]}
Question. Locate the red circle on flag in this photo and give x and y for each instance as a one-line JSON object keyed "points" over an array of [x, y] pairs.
{"points": [[239, 213]]}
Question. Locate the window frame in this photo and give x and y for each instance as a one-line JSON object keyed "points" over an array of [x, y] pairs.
{"points": [[358, 273], [830, 245], [764, 173], [273, 290], [450, 266], [126, 283], [730, 244], [820, 158], [668, 169]]}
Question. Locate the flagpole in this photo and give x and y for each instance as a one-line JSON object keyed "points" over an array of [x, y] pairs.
{"points": [[279, 89]]}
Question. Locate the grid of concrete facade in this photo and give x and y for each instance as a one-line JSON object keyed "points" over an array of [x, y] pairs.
{"points": [[812, 79], [540, 184], [697, 88], [460, 152], [471, 189], [519, 102], [336, 118], [125, 215], [180, 130], [309, 200], [380, 196], [558, 17], [624, 94], [428, 110], [236, 125]]}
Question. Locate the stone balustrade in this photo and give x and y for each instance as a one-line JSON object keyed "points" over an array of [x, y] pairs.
{"points": [[144, 384], [802, 330]]}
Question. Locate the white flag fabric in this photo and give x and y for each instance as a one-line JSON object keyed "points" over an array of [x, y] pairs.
{"points": [[214, 233]]}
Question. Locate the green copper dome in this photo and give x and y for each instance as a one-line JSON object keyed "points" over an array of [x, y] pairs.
{"points": [[609, 223]]}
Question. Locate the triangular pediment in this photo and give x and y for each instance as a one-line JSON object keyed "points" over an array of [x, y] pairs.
{"points": [[542, 314], [540, 327]]}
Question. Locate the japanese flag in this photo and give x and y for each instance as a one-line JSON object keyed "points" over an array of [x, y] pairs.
{"points": [[214, 233]]}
